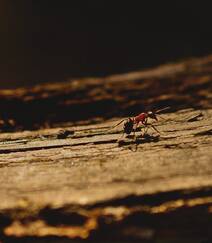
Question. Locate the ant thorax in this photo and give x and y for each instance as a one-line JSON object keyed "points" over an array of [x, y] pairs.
{"points": [[141, 117]]}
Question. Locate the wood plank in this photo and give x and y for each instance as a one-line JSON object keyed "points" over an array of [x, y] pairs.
{"points": [[76, 181]]}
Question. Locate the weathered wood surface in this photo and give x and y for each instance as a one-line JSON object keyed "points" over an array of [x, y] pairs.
{"points": [[182, 85], [85, 184]]}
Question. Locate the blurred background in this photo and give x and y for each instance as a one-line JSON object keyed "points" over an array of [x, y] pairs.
{"points": [[44, 41]]}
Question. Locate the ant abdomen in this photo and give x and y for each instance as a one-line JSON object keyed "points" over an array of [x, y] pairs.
{"points": [[128, 126]]}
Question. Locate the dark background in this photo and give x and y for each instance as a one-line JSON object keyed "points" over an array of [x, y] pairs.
{"points": [[55, 40]]}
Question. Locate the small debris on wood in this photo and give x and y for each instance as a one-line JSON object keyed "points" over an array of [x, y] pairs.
{"points": [[204, 133], [64, 133], [195, 118]]}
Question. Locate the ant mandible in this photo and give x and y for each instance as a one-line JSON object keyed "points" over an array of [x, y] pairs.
{"points": [[142, 119]]}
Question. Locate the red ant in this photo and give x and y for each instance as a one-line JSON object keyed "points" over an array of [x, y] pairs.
{"points": [[142, 119]]}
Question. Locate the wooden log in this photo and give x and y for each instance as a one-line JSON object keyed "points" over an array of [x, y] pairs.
{"points": [[78, 182]]}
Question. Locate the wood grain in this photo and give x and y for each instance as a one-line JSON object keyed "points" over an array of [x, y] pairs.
{"points": [[76, 181]]}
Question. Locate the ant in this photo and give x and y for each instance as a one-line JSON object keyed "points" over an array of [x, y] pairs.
{"points": [[142, 119]]}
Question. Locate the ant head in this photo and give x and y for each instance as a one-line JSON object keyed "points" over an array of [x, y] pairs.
{"points": [[152, 115]]}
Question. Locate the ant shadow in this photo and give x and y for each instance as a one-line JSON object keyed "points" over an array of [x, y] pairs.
{"points": [[136, 140]]}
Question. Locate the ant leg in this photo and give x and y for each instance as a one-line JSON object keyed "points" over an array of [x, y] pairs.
{"points": [[145, 130], [134, 130], [116, 124], [153, 127], [145, 124], [142, 127], [119, 139], [161, 117]]}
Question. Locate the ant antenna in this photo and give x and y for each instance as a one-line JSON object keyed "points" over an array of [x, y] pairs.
{"points": [[161, 117], [163, 109]]}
